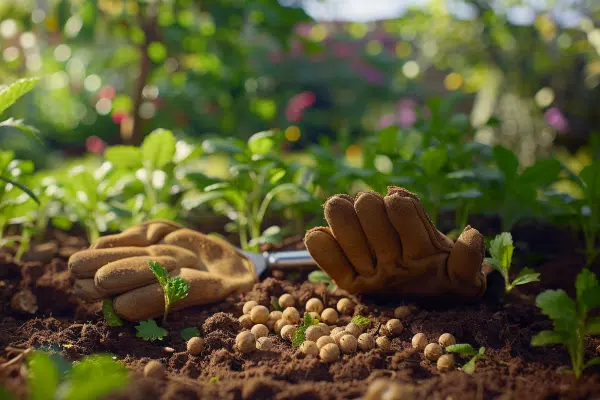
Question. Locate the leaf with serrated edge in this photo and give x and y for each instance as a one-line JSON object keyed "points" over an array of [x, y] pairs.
{"points": [[148, 330], [161, 273], [526, 275], [559, 307], [177, 289]]}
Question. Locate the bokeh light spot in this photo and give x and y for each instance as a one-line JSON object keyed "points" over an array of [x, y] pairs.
{"points": [[292, 133], [453, 81], [8, 28], [318, 33], [27, 40], [411, 69], [374, 47], [62, 52], [544, 97], [103, 106], [92, 83]]}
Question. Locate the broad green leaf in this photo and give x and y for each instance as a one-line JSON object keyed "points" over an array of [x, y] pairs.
{"points": [[501, 249], [126, 157], [559, 307], [469, 367], [507, 161], [319, 276], [409, 143], [42, 377], [544, 338], [462, 348], [590, 176], [526, 275], [433, 159], [261, 143], [9, 94], [188, 333], [148, 330], [542, 173], [161, 273], [593, 326], [111, 317], [585, 280], [177, 289], [387, 139], [276, 175], [158, 149], [95, 377], [590, 298]]}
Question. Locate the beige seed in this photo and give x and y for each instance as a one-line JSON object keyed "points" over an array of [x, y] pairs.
{"points": [[315, 316], [446, 339], [338, 335], [195, 345], [345, 306], [313, 333], [264, 343], [248, 306], [286, 300], [259, 314], [275, 315], [259, 330], [402, 312], [315, 305], [353, 329], [329, 316], [433, 351], [336, 330], [291, 315], [445, 362], [246, 321], [324, 328], [394, 327], [348, 344], [323, 340], [366, 342], [279, 324], [245, 342], [329, 352], [383, 343], [287, 332], [155, 370], [419, 341], [309, 348]]}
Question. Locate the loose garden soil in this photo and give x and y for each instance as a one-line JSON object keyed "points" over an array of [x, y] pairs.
{"points": [[513, 368]]}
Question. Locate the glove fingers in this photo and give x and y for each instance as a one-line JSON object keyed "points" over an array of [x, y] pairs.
{"points": [[348, 232], [466, 259], [380, 233], [87, 290], [185, 258], [85, 263], [139, 235], [130, 273], [329, 256]]}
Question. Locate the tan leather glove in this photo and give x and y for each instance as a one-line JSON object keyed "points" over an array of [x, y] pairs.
{"points": [[377, 244], [117, 265]]}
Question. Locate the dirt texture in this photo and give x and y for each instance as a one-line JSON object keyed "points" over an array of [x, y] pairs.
{"points": [[513, 369]]}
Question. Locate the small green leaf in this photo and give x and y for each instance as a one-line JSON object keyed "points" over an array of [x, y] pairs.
{"points": [[318, 276], [125, 157], [177, 289], [507, 161], [161, 273], [542, 173], [95, 377], [111, 317], [188, 333], [275, 303], [20, 125], [299, 338], [158, 149], [214, 379], [481, 351], [526, 275], [469, 367], [544, 338], [557, 305], [9, 94], [23, 188], [501, 249], [461, 348], [42, 377], [276, 175], [261, 143], [362, 322], [433, 159], [148, 330], [593, 361]]}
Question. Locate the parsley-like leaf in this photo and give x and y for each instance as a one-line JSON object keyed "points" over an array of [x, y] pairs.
{"points": [[362, 322], [148, 330], [161, 273], [174, 288], [299, 337], [111, 317], [177, 288]]}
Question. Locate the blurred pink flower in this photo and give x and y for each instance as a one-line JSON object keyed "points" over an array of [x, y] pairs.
{"points": [[118, 117], [555, 118], [386, 120], [94, 144], [407, 115], [342, 50], [297, 104], [107, 92]]}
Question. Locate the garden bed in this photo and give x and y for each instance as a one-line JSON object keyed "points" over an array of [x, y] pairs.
{"points": [[513, 369]]}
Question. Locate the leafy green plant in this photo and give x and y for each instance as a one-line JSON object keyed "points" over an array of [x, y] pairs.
{"points": [[467, 350], [111, 317], [318, 276], [361, 321], [174, 288], [149, 330], [299, 337], [188, 333], [501, 250], [571, 320], [94, 377], [9, 94]]}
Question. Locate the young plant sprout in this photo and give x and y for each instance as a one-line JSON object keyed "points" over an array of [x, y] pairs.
{"points": [[501, 249], [174, 288], [467, 350], [148, 330], [318, 276], [111, 317], [299, 334], [360, 321]]}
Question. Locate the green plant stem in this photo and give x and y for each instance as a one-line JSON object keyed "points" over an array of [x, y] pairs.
{"points": [[167, 305], [23, 243]]}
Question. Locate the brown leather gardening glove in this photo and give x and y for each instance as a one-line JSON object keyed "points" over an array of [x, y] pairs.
{"points": [[117, 265], [377, 244]]}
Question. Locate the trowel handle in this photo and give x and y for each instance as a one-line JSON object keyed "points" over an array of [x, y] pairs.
{"points": [[290, 259]]}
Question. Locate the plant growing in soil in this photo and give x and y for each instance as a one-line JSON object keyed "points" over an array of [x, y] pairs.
{"points": [[174, 288], [188, 333], [467, 350], [149, 330], [320, 276], [501, 250], [51, 377], [570, 319], [307, 322], [111, 317], [362, 322]]}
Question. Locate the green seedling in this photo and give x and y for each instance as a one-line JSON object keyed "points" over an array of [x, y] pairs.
{"points": [[467, 350], [9, 94], [214, 379], [174, 288], [319, 276], [111, 317], [149, 330], [275, 303], [299, 337], [571, 319], [188, 333], [362, 322], [501, 249]]}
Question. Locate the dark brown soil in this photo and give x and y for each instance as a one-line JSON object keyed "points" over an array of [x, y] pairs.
{"points": [[513, 369]]}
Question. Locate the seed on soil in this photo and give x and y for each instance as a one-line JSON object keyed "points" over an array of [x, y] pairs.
{"points": [[259, 330], [329, 352], [394, 327], [324, 328], [383, 343], [291, 315], [275, 315], [433, 351], [287, 332], [315, 305], [348, 344], [155, 370], [402, 312], [323, 340], [245, 342], [259, 314], [345, 306], [336, 330], [329, 316], [309, 348], [248, 306], [419, 341], [338, 335], [445, 362], [447, 339], [366, 342], [279, 324], [286, 300], [353, 329], [195, 345], [264, 343], [313, 333], [246, 321]]}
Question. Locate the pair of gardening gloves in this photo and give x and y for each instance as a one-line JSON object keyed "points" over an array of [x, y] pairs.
{"points": [[373, 244]]}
